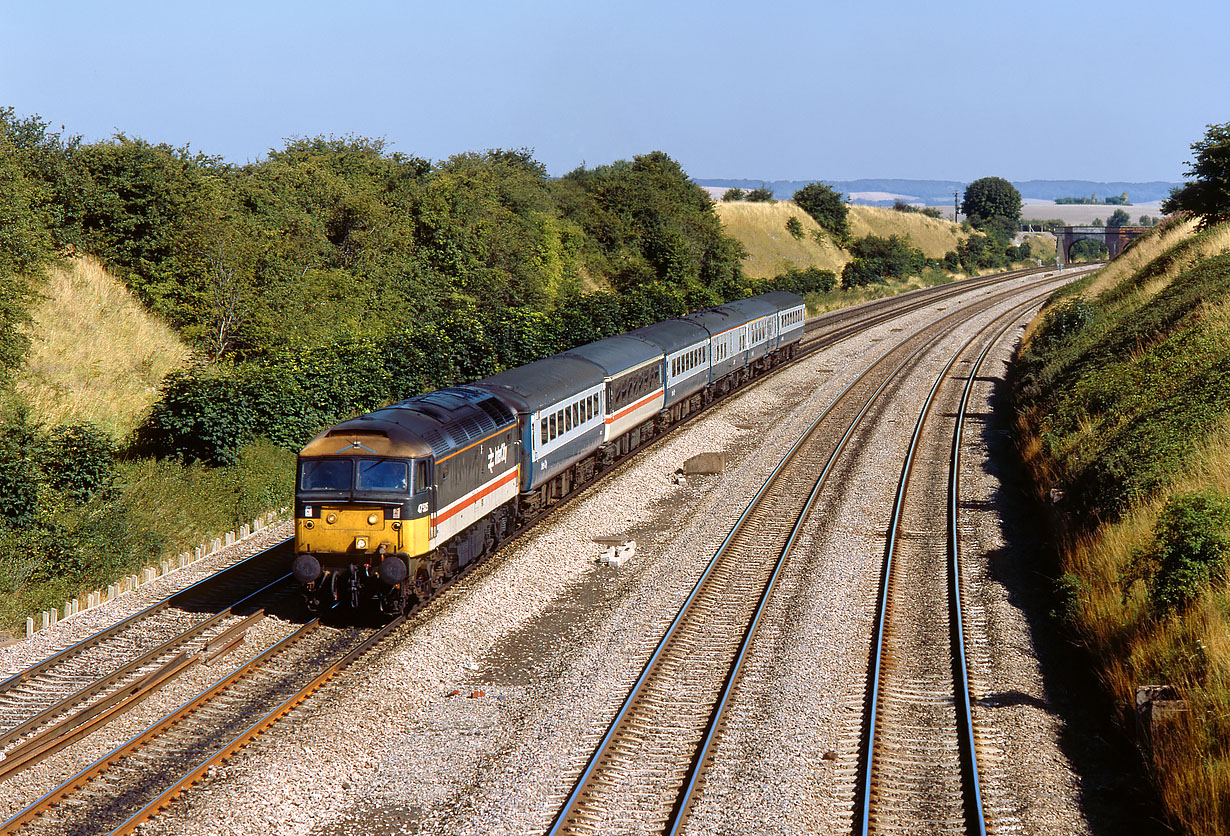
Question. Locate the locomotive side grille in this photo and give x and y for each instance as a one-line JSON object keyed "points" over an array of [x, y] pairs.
{"points": [[473, 428], [439, 444]]}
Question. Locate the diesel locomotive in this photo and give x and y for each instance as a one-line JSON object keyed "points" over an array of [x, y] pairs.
{"points": [[390, 504]]}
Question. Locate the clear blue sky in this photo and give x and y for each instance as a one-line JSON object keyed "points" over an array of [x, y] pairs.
{"points": [[949, 89]]}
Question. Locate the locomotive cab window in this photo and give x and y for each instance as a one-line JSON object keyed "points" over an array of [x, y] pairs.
{"points": [[420, 475], [383, 475], [325, 475]]}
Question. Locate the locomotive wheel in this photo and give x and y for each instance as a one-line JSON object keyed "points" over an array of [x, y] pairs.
{"points": [[422, 584]]}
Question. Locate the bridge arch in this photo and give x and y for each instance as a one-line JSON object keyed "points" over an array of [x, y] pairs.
{"points": [[1115, 238]]}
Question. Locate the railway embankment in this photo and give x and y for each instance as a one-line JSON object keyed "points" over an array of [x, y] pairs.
{"points": [[1122, 397]]}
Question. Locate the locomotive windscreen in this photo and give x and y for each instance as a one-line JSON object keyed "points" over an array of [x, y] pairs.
{"points": [[325, 475], [383, 475]]}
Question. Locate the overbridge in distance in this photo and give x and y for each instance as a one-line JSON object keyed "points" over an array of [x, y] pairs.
{"points": [[1115, 238]]}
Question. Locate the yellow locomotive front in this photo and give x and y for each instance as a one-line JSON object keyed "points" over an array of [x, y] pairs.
{"points": [[363, 517]]}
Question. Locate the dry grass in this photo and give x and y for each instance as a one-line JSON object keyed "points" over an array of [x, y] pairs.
{"points": [[1042, 246], [931, 235], [771, 250], [97, 355], [1144, 250]]}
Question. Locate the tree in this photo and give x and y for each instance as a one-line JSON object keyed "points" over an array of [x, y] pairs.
{"points": [[992, 204], [1119, 218], [1208, 195], [826, 206], [762, 195], [733, 194]]}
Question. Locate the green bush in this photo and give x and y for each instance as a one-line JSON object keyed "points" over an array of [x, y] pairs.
{"points": [[826, 207], [1191, 543], [1064, 321], [20, 472], [876, 260], [202, 415], [802, 282], [794, 227], [79, 462]]}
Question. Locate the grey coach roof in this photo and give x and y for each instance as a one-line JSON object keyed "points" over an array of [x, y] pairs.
{"points": [[783, 299], [753, 308], [671, 335], [616, 354], [544, 382]]}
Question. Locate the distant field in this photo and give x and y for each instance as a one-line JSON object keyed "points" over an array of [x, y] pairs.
{"points": [[97, 355], [761, 228], [1077, 215]]}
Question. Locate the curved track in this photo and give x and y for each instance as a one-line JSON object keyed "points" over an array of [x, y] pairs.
{"points": [[920, 767], [52, 704], [652, 760]]}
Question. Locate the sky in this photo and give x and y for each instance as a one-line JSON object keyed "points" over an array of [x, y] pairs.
{"points": [[765, 90]]}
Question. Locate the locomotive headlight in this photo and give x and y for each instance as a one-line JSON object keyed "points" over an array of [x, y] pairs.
{"points": [[331, 519], [309, 524], [360, 542], [396, 526], [371, 519]]}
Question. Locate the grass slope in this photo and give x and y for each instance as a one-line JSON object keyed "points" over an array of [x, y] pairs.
{"points": [[1123, 393], [97, 355], [931, 235], [771, 250]]}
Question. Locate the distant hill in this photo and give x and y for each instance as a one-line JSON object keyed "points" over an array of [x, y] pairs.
{"points": [[883, 192]]}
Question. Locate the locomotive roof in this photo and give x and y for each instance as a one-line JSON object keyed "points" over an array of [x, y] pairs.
{"points": [[616, 355], [436, 423], [543, 383], [671, 335]]}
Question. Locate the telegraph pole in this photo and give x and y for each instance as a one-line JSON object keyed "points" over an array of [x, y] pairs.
{"points": [[954, 205]]}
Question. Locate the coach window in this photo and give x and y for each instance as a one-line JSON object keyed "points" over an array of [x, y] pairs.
{"points": [[544, 431], [552, 419], [568, 418]]}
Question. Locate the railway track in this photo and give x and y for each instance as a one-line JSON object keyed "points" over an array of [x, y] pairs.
{"points": [[921, 770], [653, 759], [56, 702], [191, 739]]}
